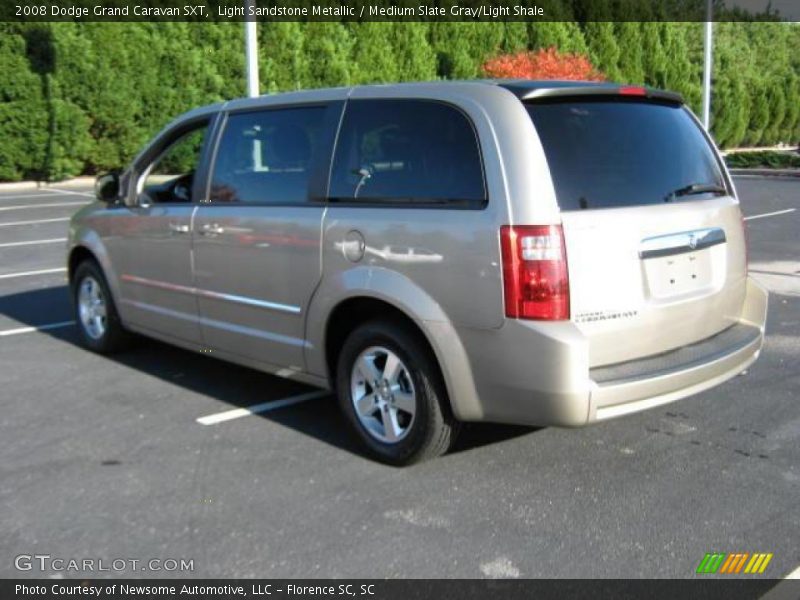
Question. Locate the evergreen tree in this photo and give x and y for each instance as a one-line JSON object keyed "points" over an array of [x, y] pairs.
{"points": [[777, 112], [564, 36], [374, 57], [23, 115], [680, 74], [631, 61], [514, 37], [603, 48], [789, 133], [328, 48], [284, 58], [412, 52], [82, 96], [731, 104], [759, 116], [656, 61], [452, 45]]}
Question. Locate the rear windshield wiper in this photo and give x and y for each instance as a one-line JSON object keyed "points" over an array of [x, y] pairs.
{"points": [[696, 188]]}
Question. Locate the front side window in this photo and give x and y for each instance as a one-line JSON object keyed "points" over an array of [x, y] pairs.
{"points": [[407, 151], [608, 153], [171, 176], [265, 157]]}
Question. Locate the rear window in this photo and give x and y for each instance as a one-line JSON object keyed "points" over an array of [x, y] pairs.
{"points": [[610, 153]]}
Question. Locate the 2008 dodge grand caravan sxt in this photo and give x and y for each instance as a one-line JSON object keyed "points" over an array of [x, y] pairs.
{"points": [[544, 253]]}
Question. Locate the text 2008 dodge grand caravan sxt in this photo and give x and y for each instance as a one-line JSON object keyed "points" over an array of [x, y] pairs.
{"points": [[544, 253]]}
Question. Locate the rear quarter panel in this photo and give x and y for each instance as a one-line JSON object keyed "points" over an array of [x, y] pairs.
{"points": [[442, 267]]}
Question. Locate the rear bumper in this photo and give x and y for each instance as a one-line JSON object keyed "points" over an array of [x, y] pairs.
{"points": [[558, 387], [641, 384]]}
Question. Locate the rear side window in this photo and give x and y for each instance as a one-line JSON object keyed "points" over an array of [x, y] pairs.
{"points": [[265, 156], [611, 153], [407, 151]]}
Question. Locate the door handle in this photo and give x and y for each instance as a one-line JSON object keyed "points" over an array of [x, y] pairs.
{"points": [[211, 229], [178, 228]]}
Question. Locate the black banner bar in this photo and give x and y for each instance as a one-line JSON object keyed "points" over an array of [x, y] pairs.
{"points": [[397, 10], [734, 588]]}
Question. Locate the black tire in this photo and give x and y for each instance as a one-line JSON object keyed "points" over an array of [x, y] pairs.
{"points": [[433, 429], [114, 337]]}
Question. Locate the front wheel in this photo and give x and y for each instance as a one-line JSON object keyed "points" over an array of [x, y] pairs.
{"points": [[391, 391], [95, 314]]}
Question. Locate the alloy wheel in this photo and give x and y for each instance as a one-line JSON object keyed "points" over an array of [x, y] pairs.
{"points": [[383, 395]]}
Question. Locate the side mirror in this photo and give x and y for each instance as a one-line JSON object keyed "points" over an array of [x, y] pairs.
{"points": [[106, 187]]}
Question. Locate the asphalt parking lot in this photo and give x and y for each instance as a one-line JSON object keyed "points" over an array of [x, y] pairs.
{"points": [[104, 458]]}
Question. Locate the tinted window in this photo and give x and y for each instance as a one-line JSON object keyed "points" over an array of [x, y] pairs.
{"points": [[171, 177], [266, 156], [617, 153], [408, 151]]}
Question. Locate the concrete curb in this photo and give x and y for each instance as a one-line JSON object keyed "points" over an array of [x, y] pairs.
{"points": [[43, 185], [787, 149], [767, 172]]}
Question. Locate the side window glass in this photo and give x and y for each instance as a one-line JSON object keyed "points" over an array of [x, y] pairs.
{"points": [[171, 176], [266, 156], [407, 151]]}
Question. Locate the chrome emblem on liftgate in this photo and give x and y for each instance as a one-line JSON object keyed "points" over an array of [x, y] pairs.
{"points": [[678, 243]]}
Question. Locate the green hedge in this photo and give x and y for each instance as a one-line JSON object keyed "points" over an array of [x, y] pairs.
{"points": [[768, 159], [83, 97]]}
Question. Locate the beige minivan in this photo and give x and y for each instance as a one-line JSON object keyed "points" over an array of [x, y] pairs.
{"points": [[530, 252]]}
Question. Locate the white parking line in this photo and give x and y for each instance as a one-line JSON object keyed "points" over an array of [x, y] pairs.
{"points": [[45, 205], [785, 590], [25, 196], [73, 193], [771, 214], [29, 273], [20, 330], [32, 242], [794, 574], [34, 222], [260, 408]]}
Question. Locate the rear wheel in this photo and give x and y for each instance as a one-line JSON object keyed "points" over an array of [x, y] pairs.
{"points": [[391, 391], [95, 313]]}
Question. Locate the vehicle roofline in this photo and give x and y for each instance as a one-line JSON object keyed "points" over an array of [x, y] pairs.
{"points": [[524, 89]]}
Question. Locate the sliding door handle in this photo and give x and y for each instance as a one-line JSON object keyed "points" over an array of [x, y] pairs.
{"points": [[178, 228], [211, 229]]}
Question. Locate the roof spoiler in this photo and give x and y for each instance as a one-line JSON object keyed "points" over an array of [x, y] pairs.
{"points": [[524, 92]]}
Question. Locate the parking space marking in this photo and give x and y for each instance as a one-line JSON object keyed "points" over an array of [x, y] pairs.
{"points": [[770, 214], [32, 242], [45, 205], [20, 330], [35, 222], [23, 197], [260, 408], [786, 589], [30, 273], [73, 193]]}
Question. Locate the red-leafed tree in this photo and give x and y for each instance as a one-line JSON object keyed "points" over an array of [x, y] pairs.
{"points": [[547, 63]]}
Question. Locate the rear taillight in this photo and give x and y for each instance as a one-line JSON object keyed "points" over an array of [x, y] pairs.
{"points": [[535, 279]]}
